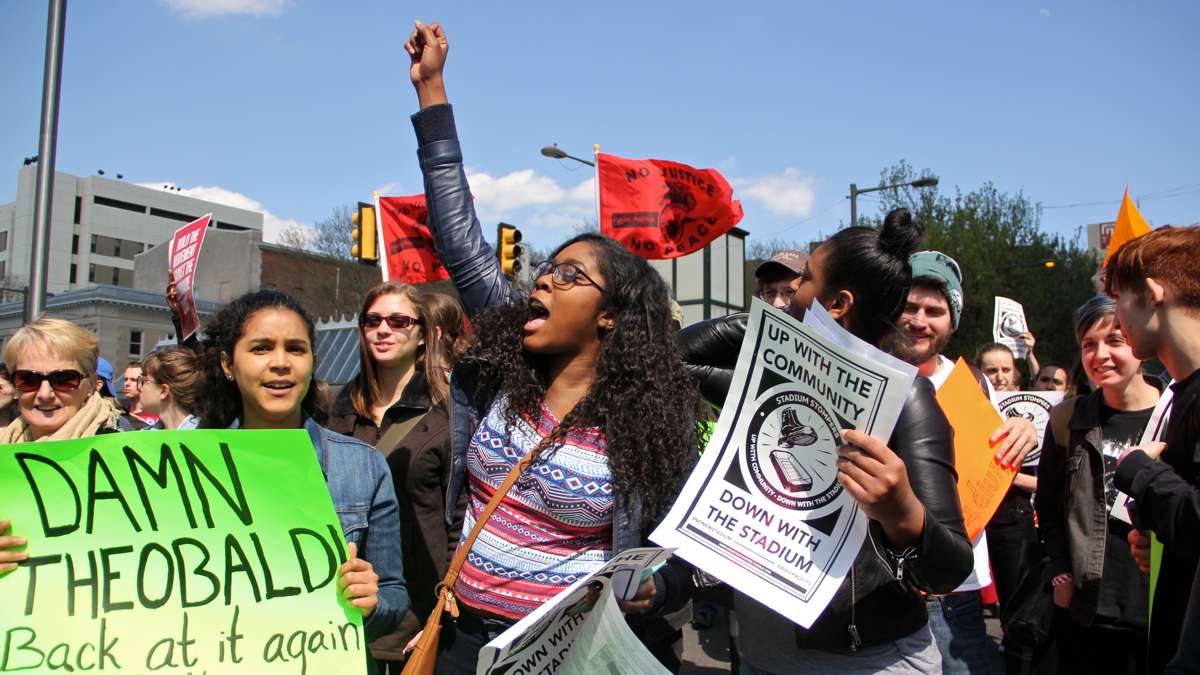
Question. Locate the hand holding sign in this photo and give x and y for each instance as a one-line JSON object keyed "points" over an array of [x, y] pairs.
{"points": [[1020, 437], [359, 583], [876, 478], [1139, 547], [9, 558], [642, 601], [1152, 449], [173, 303]]}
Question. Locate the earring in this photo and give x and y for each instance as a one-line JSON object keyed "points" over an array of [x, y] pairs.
{"points": [[229, 377]]}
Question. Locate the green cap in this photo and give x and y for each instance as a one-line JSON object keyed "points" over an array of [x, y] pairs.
{"points": [[941, 269]]}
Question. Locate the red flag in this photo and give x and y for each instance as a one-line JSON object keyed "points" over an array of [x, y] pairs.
{"points": [[407, 246], [661, 209]]}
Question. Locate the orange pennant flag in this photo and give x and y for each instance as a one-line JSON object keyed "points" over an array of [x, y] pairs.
{"points": [[982, 482], [1130, 225]]}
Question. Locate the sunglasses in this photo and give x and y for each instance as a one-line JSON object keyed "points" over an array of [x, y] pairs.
{"points": [[65, 381], [564, 274], [394, 321]]}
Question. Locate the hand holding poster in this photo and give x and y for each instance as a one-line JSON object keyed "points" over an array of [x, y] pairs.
{"points": [[581, 630], [1156, 429], [1007, 325], [1032, 405], [409, 255], [183, 255], [178, 552], [763, 511], [982, 482], [660, 209]]}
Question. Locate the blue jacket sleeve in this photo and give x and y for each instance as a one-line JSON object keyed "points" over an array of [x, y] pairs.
{"points": [[456, 231], [382, 550]]}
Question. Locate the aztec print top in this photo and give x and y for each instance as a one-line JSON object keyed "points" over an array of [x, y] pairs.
{"points": [[553, 527]]}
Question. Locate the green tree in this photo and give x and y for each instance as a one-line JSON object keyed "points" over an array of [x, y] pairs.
{"points": [[997, 240]]}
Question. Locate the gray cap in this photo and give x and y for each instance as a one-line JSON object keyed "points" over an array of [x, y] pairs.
{"points": [[783, 263]]}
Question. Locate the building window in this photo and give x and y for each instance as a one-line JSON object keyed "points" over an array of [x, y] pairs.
{"points": [[71, 277], [75, 244], [3, 268], [94, 243], [116, 276], [117, 248], [78, 208], [118, 204], [92, 273], [163, 213], [135, 343], [3, 241]]}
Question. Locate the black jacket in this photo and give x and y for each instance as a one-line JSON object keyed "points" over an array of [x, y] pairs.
{"points": [[1166, 497], [884, 606]]}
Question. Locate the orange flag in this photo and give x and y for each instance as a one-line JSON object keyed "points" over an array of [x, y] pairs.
{"points": [[1130, 225], [982, 482]]}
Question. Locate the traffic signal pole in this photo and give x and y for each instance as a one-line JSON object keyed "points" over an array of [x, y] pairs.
{"points": [[47, 144]]}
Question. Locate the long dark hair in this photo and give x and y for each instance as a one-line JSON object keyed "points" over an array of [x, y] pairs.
{"points": [[220, 401], [642, 398], [873, 266]]}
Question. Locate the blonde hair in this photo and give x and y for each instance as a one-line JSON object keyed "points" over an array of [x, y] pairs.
{"points": [[58, 338]]}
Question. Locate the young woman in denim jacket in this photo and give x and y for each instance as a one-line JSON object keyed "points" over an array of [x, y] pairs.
{"points": [[259, 366], [588, 368]]}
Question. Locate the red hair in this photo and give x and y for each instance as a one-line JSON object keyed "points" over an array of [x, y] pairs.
{"points": [[1168, 254]]}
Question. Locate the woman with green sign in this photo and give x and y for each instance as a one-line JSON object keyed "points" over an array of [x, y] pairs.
{"points": [[259, 366]]}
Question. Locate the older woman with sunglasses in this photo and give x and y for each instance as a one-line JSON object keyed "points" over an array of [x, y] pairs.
{"points": [[53, 366]]}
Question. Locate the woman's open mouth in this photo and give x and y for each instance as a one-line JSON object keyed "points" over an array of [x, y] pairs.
{"points": [[537, 315]]}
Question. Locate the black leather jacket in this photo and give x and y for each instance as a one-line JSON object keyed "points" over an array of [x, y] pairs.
{"points": [[883, 601]]}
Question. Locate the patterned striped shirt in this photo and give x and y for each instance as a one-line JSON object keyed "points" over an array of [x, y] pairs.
{"points": [[553, 527]]}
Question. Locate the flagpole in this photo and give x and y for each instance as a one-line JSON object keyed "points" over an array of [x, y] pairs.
{"points": [[380, 244], [596, 167]]}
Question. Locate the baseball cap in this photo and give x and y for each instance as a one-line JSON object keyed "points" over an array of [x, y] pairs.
{"points": [[783, 263], [104, 371], [945, 272]]}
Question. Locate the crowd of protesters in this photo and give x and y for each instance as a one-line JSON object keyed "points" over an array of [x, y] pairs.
{"points": [[589, 377]]}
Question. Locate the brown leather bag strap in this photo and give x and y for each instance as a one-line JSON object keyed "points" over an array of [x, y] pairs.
{"points": [[460, 556]]}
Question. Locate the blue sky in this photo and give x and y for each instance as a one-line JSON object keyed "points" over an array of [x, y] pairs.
{"points": [[297, 106]]}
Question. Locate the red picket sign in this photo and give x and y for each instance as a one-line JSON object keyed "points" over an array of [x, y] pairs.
{"points": [[183, 256], [405, 242], [661, 209]]}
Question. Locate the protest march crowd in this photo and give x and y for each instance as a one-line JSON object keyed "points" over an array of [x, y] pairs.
{"points": [[496, 448]]}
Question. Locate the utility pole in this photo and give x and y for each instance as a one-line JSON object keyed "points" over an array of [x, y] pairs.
{"points": [[47, 142]]}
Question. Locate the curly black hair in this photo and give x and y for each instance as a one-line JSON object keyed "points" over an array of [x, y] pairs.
{"points": [[220, 401], [643, 400]]}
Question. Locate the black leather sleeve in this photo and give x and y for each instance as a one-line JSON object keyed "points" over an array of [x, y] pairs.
{"points": [[710, 352], [1050, 501], [924, 439]]}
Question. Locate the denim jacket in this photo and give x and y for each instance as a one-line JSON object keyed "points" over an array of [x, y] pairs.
{"points": [[365, 500], [472, 265]]}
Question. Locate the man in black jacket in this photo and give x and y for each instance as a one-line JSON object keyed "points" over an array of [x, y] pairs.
{"points": [[1156, 284]]}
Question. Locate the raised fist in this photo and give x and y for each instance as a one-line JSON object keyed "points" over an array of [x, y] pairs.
{"points": [[426, 47]]}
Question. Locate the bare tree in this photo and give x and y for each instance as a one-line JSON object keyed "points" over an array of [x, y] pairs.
{"points": [[329, 236], [764, 249]]}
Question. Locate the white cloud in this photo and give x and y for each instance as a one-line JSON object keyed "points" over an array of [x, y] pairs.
{"points": [[1044, 12], [273, 225], [203, 9], [786, 194]]}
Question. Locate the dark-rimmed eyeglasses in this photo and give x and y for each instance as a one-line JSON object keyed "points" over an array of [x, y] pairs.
{"points": [[564, 274], [394, 321], [64, 381]]}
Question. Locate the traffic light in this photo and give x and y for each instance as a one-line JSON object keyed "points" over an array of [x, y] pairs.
{"points": [[364, 249], [507, 249]]}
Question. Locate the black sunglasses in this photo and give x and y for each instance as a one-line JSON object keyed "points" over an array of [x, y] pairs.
{"points": [[394, 321], [564, 274], [27, 381]]}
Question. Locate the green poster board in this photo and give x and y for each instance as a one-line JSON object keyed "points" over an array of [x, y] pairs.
{"points": [[175, 552]]}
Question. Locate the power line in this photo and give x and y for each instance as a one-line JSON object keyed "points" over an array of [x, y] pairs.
{"points": [[1180, 191]]}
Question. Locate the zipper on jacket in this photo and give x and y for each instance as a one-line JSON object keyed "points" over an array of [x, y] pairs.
{"points": [[855, 639]]}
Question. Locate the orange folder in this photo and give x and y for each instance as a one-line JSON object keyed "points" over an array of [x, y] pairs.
{"points": [[982, 482]]}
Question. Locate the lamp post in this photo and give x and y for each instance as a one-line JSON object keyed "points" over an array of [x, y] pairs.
{"points": [[855, 191], [554, 152]]}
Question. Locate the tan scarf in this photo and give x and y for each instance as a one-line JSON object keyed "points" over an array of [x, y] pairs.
{"points": [[97, 413]]}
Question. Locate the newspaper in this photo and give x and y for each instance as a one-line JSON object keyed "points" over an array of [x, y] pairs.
{"points": [[1032, 405], [763, 511], [581, 630]]}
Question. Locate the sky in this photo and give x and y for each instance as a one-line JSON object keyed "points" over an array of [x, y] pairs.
{"points": [[295, 107]]}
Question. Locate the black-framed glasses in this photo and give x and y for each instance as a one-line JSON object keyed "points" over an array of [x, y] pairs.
{"points": [[564, 274], [394, 321], [64, 381]]}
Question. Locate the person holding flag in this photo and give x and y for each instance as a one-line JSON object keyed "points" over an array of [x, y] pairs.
{"points": [[585, 376]]}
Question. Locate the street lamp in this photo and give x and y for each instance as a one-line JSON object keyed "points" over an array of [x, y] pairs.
{"points": [[928, 181], [554, 152]]}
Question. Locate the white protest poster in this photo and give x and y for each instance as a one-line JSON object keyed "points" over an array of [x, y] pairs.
{"points": [[1008, 324], [581, 630], [1032, 405], [763, 510], [1156, 429]]}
